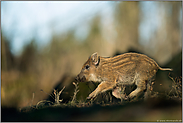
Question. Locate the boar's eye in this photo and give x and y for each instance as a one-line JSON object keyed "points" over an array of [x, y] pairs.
{"points": [[87, 67]]}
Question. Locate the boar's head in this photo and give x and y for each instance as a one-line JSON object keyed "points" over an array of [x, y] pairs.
{"points": [[89, 69]]}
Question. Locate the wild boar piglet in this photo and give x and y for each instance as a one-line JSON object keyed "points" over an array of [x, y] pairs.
{"points": [[115, 72]]}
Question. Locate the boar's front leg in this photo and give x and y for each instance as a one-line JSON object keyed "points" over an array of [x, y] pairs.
{"points": [[102, 87]]}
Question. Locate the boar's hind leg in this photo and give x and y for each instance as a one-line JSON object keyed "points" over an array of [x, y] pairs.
{"points": [[118, 92], [141, 86], [102, 87]]}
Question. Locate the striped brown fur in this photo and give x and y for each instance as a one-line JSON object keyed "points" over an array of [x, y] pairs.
{"points": [[115, 72]]}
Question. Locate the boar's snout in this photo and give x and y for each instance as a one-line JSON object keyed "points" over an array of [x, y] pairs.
{"points": [[80, 79], [77, 78]]}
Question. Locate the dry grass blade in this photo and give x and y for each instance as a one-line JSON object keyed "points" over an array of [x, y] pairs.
{"points": [[177, 87], [32, 99], [57, 95], [75, 93], [42, 101], [47, 94]]}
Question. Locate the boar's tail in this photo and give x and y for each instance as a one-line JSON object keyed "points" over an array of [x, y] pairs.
{"points": [[166, 69], [170, 69]]}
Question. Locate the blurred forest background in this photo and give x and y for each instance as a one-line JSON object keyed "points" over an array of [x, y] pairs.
{"points": [[36, 68]]}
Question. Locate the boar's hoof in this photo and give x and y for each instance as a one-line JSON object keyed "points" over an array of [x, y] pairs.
{"points": [[88, 97], [127, 98]]}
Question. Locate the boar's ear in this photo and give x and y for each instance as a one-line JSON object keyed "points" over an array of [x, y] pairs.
{"points": [[95, 59]]}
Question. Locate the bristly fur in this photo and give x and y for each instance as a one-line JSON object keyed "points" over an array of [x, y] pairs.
{"points": [[114, 72]]}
